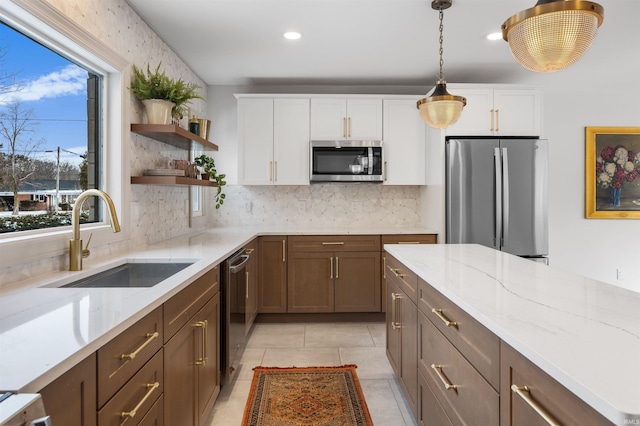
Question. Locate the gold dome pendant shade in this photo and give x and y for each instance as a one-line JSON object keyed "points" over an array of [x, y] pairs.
{"points": [[554, 34], [441, 109]]}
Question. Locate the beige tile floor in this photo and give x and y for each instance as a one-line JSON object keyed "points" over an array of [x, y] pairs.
{"points": [[285, 345]]}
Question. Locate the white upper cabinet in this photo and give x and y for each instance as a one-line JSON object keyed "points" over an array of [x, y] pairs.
{"points": [[255, 141], [404, 146], [291, 141], [273, 141], [346, 119], [498, 112]]}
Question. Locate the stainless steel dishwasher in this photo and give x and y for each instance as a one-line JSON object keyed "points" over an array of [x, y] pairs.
{"points": [[233, 339]]}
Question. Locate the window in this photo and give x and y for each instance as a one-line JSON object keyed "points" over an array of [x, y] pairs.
{"points": [[105, 75], [49, 133]]}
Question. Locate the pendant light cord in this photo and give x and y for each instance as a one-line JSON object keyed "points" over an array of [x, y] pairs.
{"points": [[441, 39]]}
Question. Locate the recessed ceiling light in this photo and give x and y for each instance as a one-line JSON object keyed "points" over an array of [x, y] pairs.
{"points": [[292, 35], [495, 36]]}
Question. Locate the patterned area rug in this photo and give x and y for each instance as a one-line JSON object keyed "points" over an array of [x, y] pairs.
{"points": [[309, 396]]}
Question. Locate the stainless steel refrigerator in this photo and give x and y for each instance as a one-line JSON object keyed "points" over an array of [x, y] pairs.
{"points": [[497, 194]]}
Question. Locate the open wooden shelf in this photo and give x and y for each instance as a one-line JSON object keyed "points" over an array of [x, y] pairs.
{"points": [[170, 180], [171, 134]]}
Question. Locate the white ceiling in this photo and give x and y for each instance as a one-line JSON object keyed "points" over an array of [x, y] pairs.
{"points": [[364, 42]]}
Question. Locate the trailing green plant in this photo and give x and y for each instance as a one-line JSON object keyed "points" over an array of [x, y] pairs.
{"points": [[208, 166], [157, 85]]}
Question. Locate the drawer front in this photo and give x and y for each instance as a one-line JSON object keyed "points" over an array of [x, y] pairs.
{"points": [[430, 412], [478, 344], [120, 358], [404, 278], [471, 399], [333, 243], [137, 397], [542, 395], [181, 307], [410, 239]]}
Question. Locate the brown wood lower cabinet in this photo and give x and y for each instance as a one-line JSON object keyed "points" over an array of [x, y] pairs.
{"points": [[70, 400], [272, 274], [430, 412], [527, 394], [192, 377]]}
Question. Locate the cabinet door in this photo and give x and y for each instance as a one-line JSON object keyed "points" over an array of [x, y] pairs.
{"points": [[328, 118], [310, 285], [404, 136], [518, 112], [251, 290], [393, 330], [180, 377], [364, 119], [70, 400], [272, 274], [291, 141], [476, 118], [409, 351], [430, 412], [357, 281], [208, 361], [255, 141]]}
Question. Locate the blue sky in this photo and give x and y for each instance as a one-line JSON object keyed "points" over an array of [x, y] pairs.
{"points": [[54, 88]]}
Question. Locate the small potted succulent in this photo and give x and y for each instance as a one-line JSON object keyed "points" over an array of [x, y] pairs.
{"points": [[208, 167], [162, 96]]}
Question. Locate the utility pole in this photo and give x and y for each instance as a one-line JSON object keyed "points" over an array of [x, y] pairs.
{"points": [[58, 181]]}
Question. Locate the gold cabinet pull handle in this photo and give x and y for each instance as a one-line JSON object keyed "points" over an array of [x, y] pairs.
{"points": [[203, 325], [497, 120], [246, 284], [337, 268], [349, 127], [444, 319], [132, 413], [408, 242], [333, 243], [395, 324], [384, 267], [284, 251], [523, 392], [386, 173], [396, 272], [344, 127], [445, 382], [275, 171], [249, 251], [331, 267], [149, 337], [270, 171], [491, 129]]}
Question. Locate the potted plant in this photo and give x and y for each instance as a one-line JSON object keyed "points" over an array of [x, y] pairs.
{"points": [[208, 166], [162, 96]]}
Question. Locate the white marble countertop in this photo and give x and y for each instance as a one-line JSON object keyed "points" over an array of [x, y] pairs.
{"points": [[582, 332], [44, 330]]}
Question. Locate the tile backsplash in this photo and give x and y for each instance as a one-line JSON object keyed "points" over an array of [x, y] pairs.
{"points": [[319, 205]]}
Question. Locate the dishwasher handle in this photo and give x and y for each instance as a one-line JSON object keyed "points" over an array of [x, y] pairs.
{"points": [[235, 267]]}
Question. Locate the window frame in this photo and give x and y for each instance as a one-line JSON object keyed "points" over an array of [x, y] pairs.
{"points": [[50, 27]]}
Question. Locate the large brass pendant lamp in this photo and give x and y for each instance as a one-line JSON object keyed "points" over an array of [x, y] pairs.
{"points": [[554, 34], [441, 109]]}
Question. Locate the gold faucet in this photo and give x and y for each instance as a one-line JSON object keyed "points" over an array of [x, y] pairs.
{"points": [[75, 243]]}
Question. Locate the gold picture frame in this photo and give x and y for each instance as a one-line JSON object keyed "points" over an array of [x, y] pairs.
{"points": [[612, 172]]}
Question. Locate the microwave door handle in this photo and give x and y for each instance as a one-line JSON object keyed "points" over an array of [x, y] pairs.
{"points": [[370, 161]]}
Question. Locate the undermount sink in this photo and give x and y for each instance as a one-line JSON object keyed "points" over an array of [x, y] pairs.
{"points": [[131, 275]]}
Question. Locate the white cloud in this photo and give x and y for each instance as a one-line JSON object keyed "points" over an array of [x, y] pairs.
{"points": [[71, 80]]}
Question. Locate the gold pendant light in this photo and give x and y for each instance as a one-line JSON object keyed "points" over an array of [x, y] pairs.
{"points": [[441, 109], [554, 34]]}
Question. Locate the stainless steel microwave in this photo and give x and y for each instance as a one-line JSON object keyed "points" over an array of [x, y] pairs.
{"points": [[346, 161]]}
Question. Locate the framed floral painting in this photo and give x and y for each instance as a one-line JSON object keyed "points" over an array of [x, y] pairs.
{"points": [[612, 166]]}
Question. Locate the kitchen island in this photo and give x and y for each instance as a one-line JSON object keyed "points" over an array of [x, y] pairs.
{"points": [[583, 333]]}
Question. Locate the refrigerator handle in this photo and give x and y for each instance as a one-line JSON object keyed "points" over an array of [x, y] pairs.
{"points": [[505, 196], [497, 230]]}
